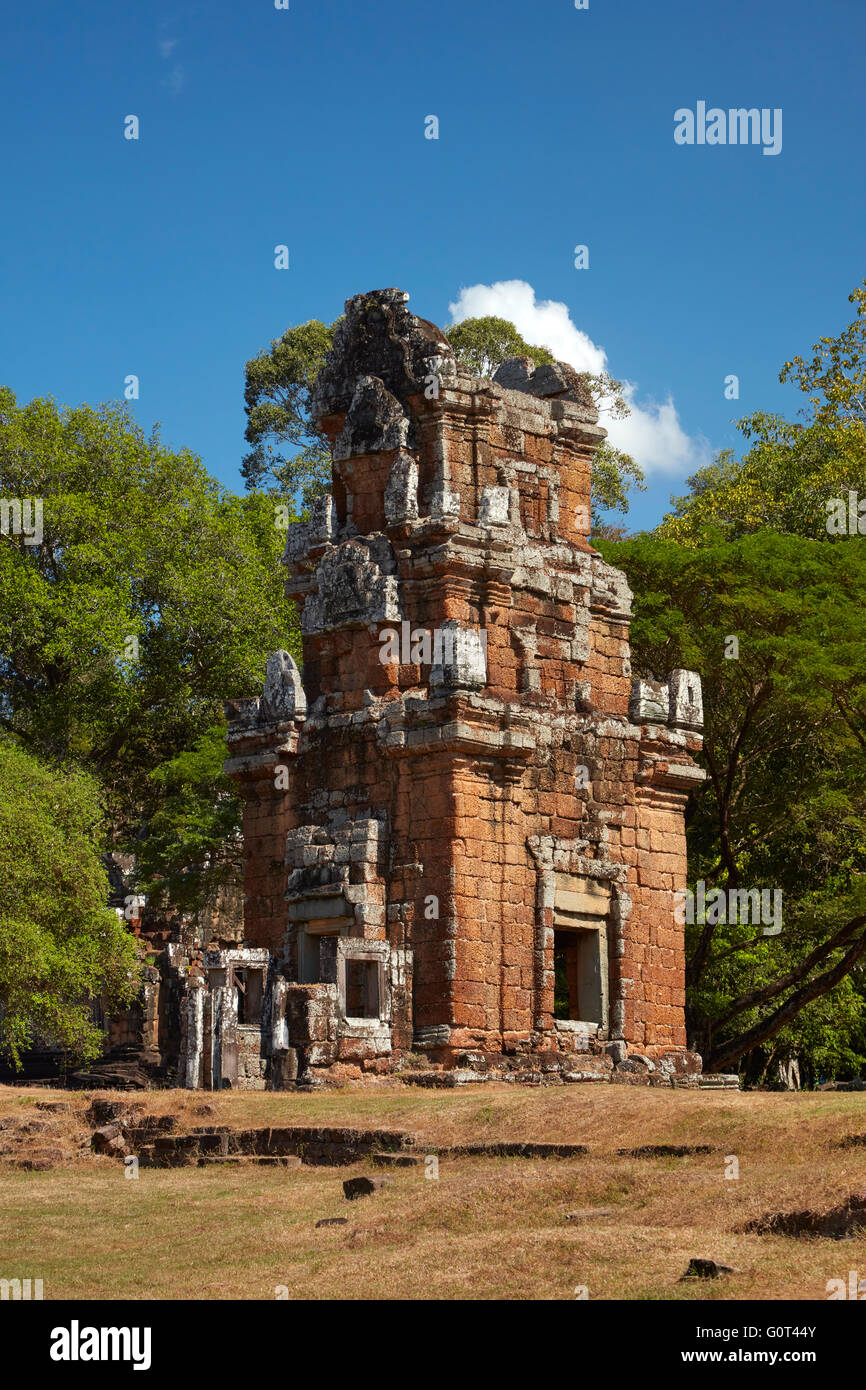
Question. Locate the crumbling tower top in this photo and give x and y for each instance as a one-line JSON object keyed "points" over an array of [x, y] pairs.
{"points": [[404, 417], [378, 337]]}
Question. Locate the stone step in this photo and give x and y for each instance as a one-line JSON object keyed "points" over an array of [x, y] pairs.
{"points": [[249, 1160], [328, 1146], [666, 1151], [515, 1149]]}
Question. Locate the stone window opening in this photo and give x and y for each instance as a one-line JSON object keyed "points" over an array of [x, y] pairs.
{"points": [[317, 956], [362, 988], [578, 986], [249, 993]]}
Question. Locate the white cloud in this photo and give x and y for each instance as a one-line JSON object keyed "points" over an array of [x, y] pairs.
{"points": [[546, 323], [167, 46], [652, 433], [176, 80]]}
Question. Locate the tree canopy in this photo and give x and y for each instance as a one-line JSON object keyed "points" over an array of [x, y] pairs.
{"points": [[288, 455], [60, 945], [776, 625], [791, 470], [154, 595], [745, 583]]}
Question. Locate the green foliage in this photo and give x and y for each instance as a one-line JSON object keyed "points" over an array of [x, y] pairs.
{"points": [[60, 945], [614, 475], [289, 455], [140, 546], [786, 723], [482, 345], [835, 376], [193, 843], [791, 470], [784, 805]]}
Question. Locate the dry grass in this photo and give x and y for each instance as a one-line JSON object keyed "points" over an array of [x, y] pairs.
{"points": [[487, 1228]]}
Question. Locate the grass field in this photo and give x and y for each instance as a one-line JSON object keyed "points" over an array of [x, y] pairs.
{"points": [[486, 1228]]}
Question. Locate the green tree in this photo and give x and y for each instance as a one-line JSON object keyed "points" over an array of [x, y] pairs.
{"points": [[483, 344], [289, 455], [60, 945], [193, 842], [834, 378], [154, 596], [784, 804], [791, 470]]}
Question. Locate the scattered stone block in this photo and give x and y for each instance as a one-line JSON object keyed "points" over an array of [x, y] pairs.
{"points": [[848, 1218], [590, 1213], [706, 1269], [666, 1151], [364, 1187], [101, 1138]]}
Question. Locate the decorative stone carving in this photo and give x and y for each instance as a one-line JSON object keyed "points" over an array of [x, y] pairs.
{"points": [[352, 588], [494, 506], [375, 421], [649, 702], [401, 491], [686, 700], [459, 658], [321, 529], [610, 591], [379, 336], [445, 505], [283, 696]]}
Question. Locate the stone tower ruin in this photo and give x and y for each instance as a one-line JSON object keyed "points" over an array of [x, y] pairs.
{"points": [[464, 822]]}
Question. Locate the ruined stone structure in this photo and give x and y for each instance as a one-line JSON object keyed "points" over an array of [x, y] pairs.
{"points": [[464, 827]]}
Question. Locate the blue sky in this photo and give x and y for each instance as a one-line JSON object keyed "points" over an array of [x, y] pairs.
{"points": [[306, 127]]}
